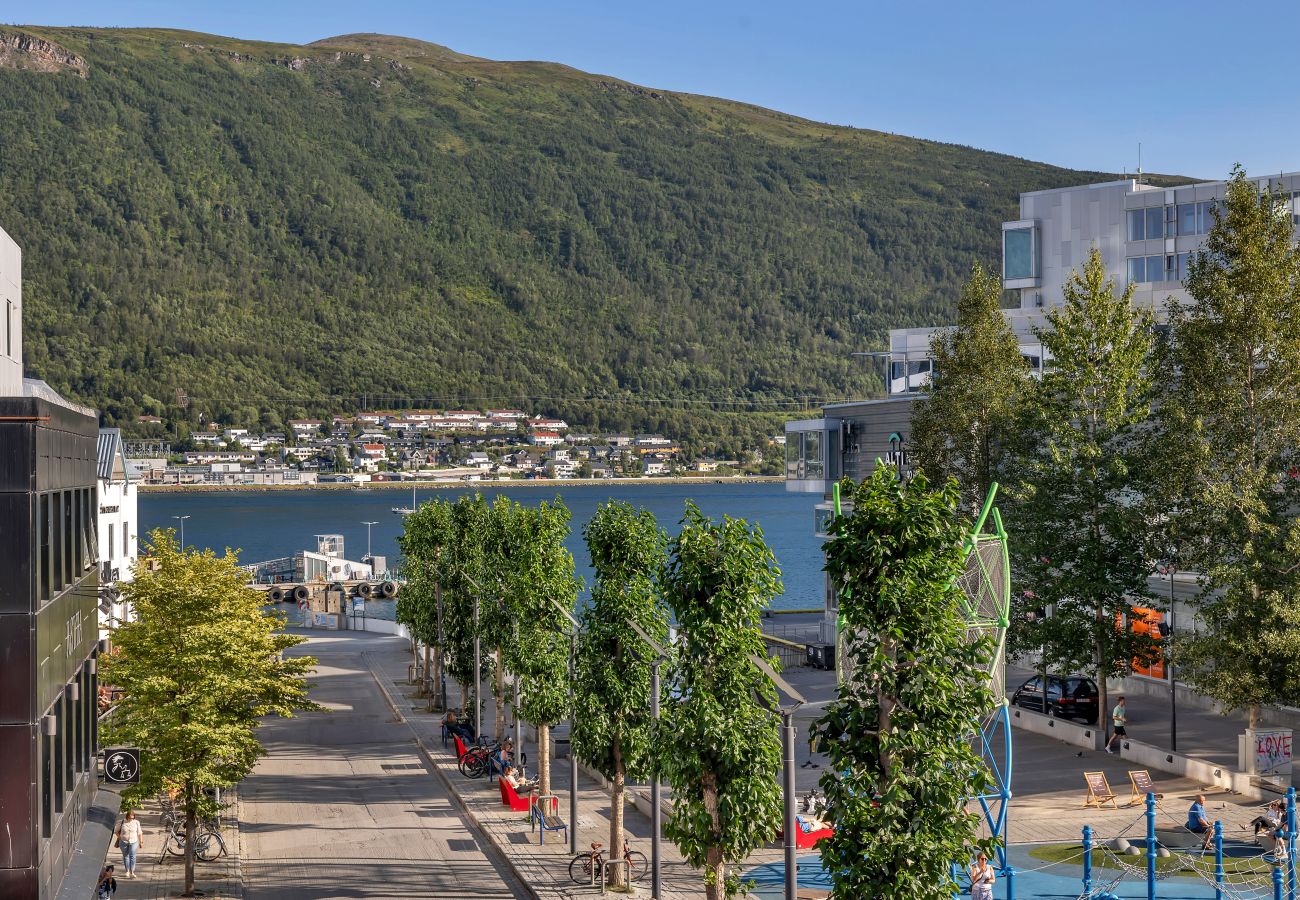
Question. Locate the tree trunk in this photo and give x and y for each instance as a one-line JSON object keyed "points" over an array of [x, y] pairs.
{"points": [[1253, 721], [434, 661], [191, 813], [1103, 695], [544, 760], [424, 678], [499, 693], [715, 867], [616, 794]]}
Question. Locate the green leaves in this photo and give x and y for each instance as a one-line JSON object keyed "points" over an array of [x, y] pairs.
{"points": [[902, 768]]}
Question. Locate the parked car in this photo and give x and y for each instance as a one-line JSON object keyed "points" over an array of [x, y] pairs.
{"points": [[1068, 697]]}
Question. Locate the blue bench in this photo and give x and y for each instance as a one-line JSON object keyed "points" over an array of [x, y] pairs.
{"points": [[543, 821]]}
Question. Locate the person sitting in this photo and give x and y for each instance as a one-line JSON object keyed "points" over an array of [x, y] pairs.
{"points": [[521, 785], [1271, 818], [811, 822], [106, 887], [1197, 823], [504, 756], [455, 726]]}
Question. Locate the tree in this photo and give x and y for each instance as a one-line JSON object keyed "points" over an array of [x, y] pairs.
{"points": [[898, 734], [1083, 529], [1230, 432], [426, 540], [614, 730], [719, 746], [961, 428], [198, 668]]}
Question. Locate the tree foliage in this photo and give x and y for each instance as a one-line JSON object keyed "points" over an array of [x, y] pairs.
{"points": [[207, 214], [898, 734], [1230, 436], [719, 746], [614, 729], [198, 668], [1084, 535], [964, 428]]}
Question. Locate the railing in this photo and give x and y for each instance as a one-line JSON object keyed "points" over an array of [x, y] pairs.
{"points": [[788, 652]]}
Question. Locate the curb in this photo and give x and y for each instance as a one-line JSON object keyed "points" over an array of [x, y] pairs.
{"points": [[500, 851]]}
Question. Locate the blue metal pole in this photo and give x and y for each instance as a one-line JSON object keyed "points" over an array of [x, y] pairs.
{"points": [[1087, 859], [1218, 860], [1151, 847], [1290, 843], [1277, 883]]}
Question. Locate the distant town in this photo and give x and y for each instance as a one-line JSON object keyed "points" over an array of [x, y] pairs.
{"points": [[423, 445]]}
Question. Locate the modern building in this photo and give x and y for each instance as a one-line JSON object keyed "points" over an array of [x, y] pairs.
{"points": [[118, 543], [48, 621], [1146, 235]]}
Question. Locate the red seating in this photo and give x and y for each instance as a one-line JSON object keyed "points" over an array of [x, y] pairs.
{"points": [[808, 841], [460, 746], [510, 797]]}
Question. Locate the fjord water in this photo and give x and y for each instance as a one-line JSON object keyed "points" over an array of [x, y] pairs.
{"points": [[269, 524]]}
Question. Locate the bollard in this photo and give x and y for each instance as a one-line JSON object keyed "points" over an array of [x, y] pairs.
{"points": [[1218, 860], [1151, 847], [1087, 859]]}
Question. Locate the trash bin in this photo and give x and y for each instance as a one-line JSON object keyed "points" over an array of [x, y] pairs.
{"points": [[561, 748], [821, 656]]}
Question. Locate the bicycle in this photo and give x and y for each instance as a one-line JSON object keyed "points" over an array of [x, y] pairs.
{"points": [[209, 845], [585, 867], [483, 759]]}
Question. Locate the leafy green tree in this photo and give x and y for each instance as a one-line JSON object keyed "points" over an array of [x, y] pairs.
{"points": [[426, 540], [613, 731], [1083, 535], [462, 574], [199, 667], [962, 429], [539, 585], [719, 745], [898, 734], [1230, 433]]}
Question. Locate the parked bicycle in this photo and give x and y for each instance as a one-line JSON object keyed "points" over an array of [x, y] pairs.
{"points": [[484, 759], [585, 868], [209, 845]]}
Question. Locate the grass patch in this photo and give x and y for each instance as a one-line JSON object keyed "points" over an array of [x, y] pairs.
{"points": [[1236, 869]]}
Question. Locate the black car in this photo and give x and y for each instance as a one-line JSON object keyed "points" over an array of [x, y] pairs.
{"points": [[1068, 697]]}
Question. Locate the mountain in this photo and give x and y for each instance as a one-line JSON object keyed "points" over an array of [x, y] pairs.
{"points": [[274, 230]]}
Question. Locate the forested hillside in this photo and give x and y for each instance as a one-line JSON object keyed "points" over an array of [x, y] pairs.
{"points": [[278, 230]]}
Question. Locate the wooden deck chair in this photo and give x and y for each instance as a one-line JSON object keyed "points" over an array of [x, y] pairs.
{"points": [[1143, 785], [1099, 791]]}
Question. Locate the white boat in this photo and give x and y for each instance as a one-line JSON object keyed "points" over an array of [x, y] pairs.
{"points": [[407, 510]]}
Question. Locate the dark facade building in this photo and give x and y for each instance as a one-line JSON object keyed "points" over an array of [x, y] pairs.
{"points": [[48, 626]]}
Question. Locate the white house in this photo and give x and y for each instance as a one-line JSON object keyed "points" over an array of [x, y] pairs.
{"points": [[545, 439], [305, 427], [540, 423], [235, 434], [116, 528]]}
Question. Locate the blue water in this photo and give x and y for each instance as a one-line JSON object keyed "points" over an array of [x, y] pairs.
{"points": [[270, 524]]}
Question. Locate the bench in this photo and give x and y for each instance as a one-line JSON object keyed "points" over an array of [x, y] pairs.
{"points": [[806, 840], [1142, 784], [544, 821], [1099, 791], [461, 749], [510, 797]]}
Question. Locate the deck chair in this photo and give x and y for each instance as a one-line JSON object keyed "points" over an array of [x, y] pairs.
{"points": [[1099, 791], [1142, 784]]}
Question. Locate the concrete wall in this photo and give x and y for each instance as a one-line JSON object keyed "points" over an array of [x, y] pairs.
{"points": [[1089, 737], [1198, 770]]}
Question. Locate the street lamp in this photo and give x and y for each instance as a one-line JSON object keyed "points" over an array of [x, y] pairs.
{"points": [[370, 558], [656, 814], [1167, 632], [573, 718], [787, 747], [182, 519]]}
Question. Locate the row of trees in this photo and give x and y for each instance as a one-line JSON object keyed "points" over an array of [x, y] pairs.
{"points": [[1143, 444], [499, 571]]}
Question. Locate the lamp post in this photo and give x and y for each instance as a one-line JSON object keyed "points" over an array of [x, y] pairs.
{"points": [[369, 557], [182, 519], [656, 813], [1168, 568], [787, 748], [573, 719]]}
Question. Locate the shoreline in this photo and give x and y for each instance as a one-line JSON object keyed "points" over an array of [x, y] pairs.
{"points": [[451, 485]]}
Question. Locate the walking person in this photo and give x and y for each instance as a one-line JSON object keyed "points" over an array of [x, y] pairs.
{"points": [[981, 879], [1118, 719], [129, 834]]}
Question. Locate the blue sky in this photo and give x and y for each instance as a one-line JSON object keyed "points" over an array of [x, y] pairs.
{"points": [[1201, 85]]}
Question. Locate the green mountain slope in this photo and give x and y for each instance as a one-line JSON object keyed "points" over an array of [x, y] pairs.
{"points": [[278, 229]]}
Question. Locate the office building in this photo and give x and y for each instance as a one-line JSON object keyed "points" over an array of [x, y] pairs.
{"points": [[48, 627], [117, 522]]}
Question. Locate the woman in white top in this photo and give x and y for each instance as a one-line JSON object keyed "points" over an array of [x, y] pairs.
{"points": [[129, 834], [981, 879]]}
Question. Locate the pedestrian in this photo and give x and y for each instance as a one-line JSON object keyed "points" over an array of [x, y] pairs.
{"points": [[106, 887], [811, 763], [1197, 823], [129, 834], [981, 878], [1118, 719]]}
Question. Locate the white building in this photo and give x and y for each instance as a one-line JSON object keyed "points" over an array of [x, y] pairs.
{"points": [[117, 523], [11, 307], [1146, 235]]}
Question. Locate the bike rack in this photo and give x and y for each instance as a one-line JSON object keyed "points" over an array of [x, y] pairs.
{"points": [[631, 890]]}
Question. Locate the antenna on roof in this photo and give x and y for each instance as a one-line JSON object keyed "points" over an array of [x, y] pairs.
{"points": [[1139, 172]]}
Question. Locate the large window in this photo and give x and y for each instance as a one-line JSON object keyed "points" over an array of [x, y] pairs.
{"points": [[1150, 224], [1143, 269], [1018, 254], [803, 455], [1195, 218]]}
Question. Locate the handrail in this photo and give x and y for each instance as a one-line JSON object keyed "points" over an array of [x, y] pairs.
{"points": [[771, 638]]}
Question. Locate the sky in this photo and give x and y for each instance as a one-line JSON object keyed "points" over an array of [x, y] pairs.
{"points": [[1199, 85]]}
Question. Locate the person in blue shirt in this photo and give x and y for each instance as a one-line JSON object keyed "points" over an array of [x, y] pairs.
{"points": [[1196, 821]]}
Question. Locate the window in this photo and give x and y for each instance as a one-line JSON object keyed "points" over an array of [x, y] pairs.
{"points": [[47, 785], [1137, 230], [43, 590], [61, 785], [1183, 260], [57, 580], [1195, 218], [812, 454], [1152, 223], [126, 540], [1155, 222], [110, 537], [1018, 254], [1137, 269], [1146, 269]]}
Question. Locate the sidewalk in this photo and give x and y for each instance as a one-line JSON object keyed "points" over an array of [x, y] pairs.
{"points": [[545, 868], [155, 880]]}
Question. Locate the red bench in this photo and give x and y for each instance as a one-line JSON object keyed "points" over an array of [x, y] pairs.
{"points": [[805, 840], [510, 797], [460, 746]]}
